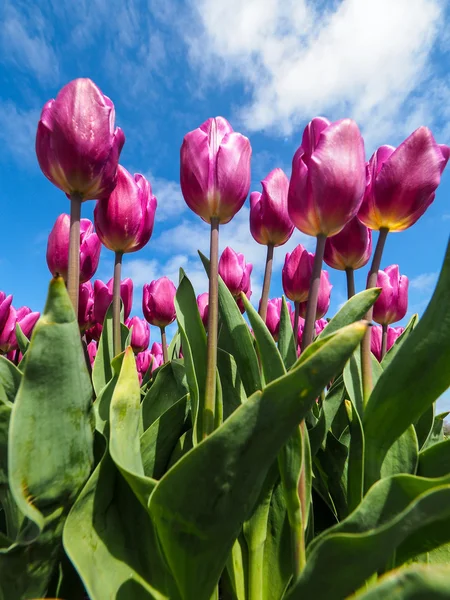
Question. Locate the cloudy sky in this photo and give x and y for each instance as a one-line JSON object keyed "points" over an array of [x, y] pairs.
{"points": [[268, 66]]}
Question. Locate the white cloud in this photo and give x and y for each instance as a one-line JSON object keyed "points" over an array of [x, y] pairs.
{"points": [[424, 283], [170, 199], [17, 132], [362, 58]]}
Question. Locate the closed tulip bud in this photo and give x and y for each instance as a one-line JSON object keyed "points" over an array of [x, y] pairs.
{"points": [[124, 220], [77, 146], [27, 320], [274, 314], [92, 352], [269, 218], [157, 354], [202, 303], [140, 334], [158, 302], [296, 274], [103, 294], [58, 248], [86, 306], [320, 325], [94, 332], [323, 301], [5, 303], [376, 337], [393, 333], [215, 170], [350, 248], [143, 362], [235, 273], [392, 304], [401, 183], [328, 177]]}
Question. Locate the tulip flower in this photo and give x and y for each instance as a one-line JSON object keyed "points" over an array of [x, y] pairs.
{"points": [[270, 223], [140, 334], [143, 361], [158, 306], [202, 303], [392, 303], [25, 318], [92, 352], [326, 190], [323, 300], [5, 303], [273, 316], [235, 273], [379, 338], [103, 294], [58, 248], [296, 274], [94, 332], [158, 355], [86, 306]]}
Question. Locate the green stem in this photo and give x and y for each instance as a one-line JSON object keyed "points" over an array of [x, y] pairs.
{"points": [[213, 319], [366, 360], [313, 296], [384, 329], [350, 273], [255, 572], [73, 275], [164, 344], [296, 319], [117, 341], [266, 284]]}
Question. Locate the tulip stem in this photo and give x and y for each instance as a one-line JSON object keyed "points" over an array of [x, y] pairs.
{"points": [[266, 284], [350, 273], [73, 275], [164, 344], [296, 319], [366, 360], [313, 296], [117, 341], [384, 340], [213, 318]]}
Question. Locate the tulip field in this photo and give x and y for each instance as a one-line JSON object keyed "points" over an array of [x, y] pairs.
{"points": [[262, 448]]}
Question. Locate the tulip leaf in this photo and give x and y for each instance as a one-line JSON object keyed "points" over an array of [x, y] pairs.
{"points": [[22, 341], [199, 505], [168, 387], [402, 456], [286, 342], [437, 431], [10, 378], [103, 401], [353, 310], [331, 462], [424, 426], [413, 380], [355, 469], [392, 352], [232, 388], [353, 378], [435, 460]]}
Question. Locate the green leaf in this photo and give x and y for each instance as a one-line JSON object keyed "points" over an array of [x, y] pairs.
{"points": [[168, 387], [331, 462], [199, 505], [355, 473], [22, 341], [232, 388], [413, 380], [353, 310], [392, 352], [353, 379], [10, 378], [286, 343], [103, 401], [402, 456], [435, 460], [424, 426], [437, 431]]}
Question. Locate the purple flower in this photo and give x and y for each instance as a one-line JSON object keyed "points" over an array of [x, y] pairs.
{"points": [[140, 334], [350, 248], [296, 274], [392, 304], [158, 302], [235, 273], [103, 296]]}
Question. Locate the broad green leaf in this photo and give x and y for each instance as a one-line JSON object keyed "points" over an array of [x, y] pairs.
{"points": [[353, 379], [168, 387], [424, 426], [232, 388], [10, 378], [234, 577], [413, 380], [103, 401], [392, 352], [355, 471], [435, 460], [331, 462], [437, 431], [402, 456], [199, 505], [22, 341], [353, 310], [286, 343]]}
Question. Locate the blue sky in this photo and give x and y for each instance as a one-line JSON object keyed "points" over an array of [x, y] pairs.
{"points": [[268, 66]]}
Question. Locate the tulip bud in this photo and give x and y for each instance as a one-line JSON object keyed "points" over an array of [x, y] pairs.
{"points": [[269, 218], [86, 306], [140, 334], [235, 273], [124, 220], [320, 325], [143, 361], [296, 274], [158, 303], [202, 303], [215, 170], [376, 338], [77, 146], [94, 332], [92, 352], [26, 320], [5, 303], [350, 248], [323, 301], [401, 183], [103, 295], [58, 248], [157, 354], [392, 304], [328, 177], [273, 316]]}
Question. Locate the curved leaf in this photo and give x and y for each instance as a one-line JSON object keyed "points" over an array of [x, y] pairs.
{"points": [[352, 311], [286, 344]]}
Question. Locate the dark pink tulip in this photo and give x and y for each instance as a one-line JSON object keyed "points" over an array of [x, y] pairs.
{"points": [[215, 170], [124, 220], [77, 146], [328, 177], [401, 183], [320, 325], [350, 248], [274, 314], [323, 302], [5, 303], [103, 294], [269, 218], [392, 303], [140, 334], [235, 273], [94, 332], [392, 334], [86, 306], [143, 361], [202, 303], [376, 339], [157, 354], [58, 248], [296, 274], [26, 320], [92, 352], [158, 302]]}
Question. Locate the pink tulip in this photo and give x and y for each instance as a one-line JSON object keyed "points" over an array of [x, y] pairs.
{"points": [[140, 334], [269, 218], [320, 325], [26, 320], [158, 303], [92, 352], [215, 170], [350, 248], [376, 338], [77, 146], [296, 274], [392, 303], [143, 362], [401, 183], [5, 303], [202, 303], [124, 220], [103, 294], [157, 354], [86, 306], [58, 248], [235, 273], [94, 332], [274, 314], [323, 301], [328, 177]]}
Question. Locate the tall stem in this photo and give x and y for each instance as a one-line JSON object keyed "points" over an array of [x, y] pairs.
{"points": [[366, 361], [117, 341], [384, 329], [213, 317], [296, 319], [73, 275], [266, 284], [311, 307], [164, 344], [350, 273], [255, 575]]}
